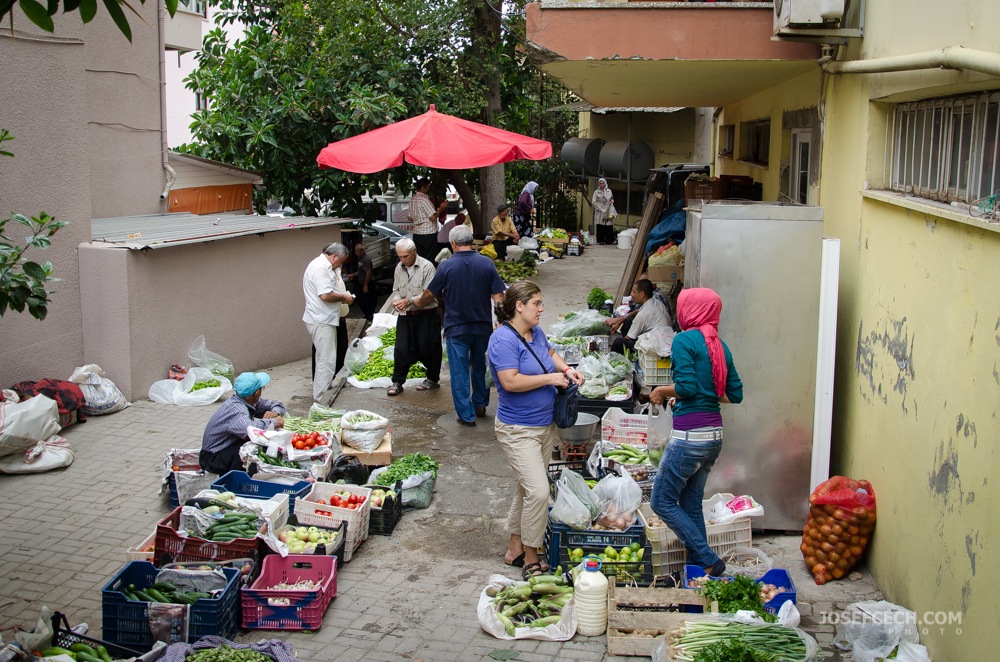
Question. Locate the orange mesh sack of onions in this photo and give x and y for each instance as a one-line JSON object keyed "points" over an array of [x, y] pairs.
{"points": [[841, 520]]}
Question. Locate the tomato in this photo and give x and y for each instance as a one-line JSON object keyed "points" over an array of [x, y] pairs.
{"points": [[322, 501]]}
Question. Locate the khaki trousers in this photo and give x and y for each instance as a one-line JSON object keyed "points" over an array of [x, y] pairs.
{"points": [[529, 451]]}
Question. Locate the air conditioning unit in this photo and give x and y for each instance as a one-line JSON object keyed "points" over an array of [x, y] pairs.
{"points": [[807, 13]]}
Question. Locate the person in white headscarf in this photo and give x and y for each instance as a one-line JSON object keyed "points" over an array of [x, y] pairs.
{"points": [[524, 208], [604, 204]]}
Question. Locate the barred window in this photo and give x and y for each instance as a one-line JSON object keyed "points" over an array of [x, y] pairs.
{"points": [[727, 140], [755, 141], [946, 149]]}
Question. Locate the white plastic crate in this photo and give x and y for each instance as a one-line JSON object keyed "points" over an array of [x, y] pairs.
{"points": [[357, 519], [137, 553], [621, 428], [656, 370], [669, 554]]}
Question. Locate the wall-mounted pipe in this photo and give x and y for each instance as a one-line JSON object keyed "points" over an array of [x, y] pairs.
{"points": [[161, 11], [953, 57]]}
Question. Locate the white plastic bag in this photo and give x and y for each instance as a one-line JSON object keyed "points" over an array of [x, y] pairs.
{"points": [[655, 342], [53, 453], [564, 630], [528, 244], [356, 356], [573, 481], [882, 611], [215, 363], [748, 562], [364, 435], [173, 392], [24, 423], [583, 323], [568, 509], [658, 428], [725, 508], [412, 498], [908, 652], [622, 496], [101, 394]]}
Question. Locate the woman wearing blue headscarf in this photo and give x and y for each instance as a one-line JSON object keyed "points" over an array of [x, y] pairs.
{"points": [[523, 208]]}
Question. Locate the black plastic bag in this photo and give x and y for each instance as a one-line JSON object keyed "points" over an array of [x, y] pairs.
{"points": [[349, 469]]}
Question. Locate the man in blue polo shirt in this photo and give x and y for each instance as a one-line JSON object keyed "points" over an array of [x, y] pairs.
{"points": [[467, 282]]}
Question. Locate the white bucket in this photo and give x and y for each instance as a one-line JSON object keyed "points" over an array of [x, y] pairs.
{"points": [[625, 241]]}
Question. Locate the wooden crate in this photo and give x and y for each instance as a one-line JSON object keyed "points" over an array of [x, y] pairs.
{"points": [[657, 610]]}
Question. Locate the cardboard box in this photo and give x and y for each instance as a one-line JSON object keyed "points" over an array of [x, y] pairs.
{"points": [[666, 274], [379, 457]]}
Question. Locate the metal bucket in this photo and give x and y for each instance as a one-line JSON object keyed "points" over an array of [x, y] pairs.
{"points": [[582, 432]]}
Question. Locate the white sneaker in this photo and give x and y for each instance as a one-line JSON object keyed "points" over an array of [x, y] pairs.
{"points": [[80, 628]]}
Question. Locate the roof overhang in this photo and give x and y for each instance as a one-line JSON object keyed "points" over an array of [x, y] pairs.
{"points": [[247, 176], [166, 230], [663, 54]]}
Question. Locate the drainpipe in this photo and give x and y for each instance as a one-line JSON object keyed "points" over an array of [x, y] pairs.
{"points": [[162, 40], [953, 57]]}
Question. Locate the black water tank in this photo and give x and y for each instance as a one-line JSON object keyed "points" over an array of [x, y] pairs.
{"points": [[583, 154]]}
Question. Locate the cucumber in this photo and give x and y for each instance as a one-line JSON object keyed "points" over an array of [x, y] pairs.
{"points": [[164, 587], [103, 652], [56, 650]]}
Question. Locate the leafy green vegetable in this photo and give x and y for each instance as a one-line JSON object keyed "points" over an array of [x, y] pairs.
{"points": [[210, 383], [406, 466], [735, 594], [514, 271], [733, 651], [597, 297], [528, 259]]}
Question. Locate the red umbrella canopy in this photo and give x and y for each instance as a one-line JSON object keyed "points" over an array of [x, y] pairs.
{"points": [[433, 140]]}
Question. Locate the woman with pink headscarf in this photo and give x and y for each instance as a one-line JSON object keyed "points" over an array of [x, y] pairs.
{"points": [[704, 376]]}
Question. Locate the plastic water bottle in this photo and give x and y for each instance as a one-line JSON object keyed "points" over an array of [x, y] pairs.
{"points": [[591, 593]]}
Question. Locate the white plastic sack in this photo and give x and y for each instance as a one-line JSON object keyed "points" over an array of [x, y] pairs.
{"points": [[528, 244], [384, 382], [488, 620], [363, 435], [882, 611], [53, 453], [659, 425], [101, 394], [409, 483], [173, 392], [757, 562], [655, 342], [908, 652], [24, 423], [622, 497], [215, 363], [382, 320], [726, 508], [356, 356], [568, 508]]}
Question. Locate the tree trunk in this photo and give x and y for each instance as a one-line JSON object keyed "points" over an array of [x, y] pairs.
{"points": [[491, 178]]}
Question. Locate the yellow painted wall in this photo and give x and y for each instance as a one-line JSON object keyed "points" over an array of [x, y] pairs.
{"points": [[800, 93], [917, 376]]}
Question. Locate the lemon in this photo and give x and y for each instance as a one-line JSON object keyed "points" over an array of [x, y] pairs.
{"points": [[635, 546], [577, 552], [610, 552]]}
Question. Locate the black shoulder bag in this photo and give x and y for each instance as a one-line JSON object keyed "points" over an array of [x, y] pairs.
{"points": [[567, 397]]}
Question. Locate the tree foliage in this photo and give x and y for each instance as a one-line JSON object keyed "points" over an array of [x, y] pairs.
{"points": [[23, 282], [306, 74], [41, 14]]}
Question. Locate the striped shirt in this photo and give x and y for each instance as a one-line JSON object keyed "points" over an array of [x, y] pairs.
{"points": [[421, 210], [228, 425]]}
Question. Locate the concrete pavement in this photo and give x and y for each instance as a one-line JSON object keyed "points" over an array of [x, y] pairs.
{"points": [[411, 596]]}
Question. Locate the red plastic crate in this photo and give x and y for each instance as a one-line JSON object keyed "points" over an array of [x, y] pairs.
{"points": [[171, 547], [267, 609]]}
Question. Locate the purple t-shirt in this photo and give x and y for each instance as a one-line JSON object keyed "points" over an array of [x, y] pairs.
{"points": [[532, 408]]}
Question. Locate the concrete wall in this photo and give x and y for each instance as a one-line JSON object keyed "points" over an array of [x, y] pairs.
{"points": [[917, 380], [85, 140], [143, 309]]}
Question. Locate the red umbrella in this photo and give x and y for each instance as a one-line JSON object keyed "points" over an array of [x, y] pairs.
{"points": [[433, 140]]}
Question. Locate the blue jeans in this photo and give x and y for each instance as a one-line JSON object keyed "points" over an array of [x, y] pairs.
{"points": [[679, 489], [464, 353]]}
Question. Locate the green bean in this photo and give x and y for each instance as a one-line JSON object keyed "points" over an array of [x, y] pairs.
{"points": [[296, 424]]}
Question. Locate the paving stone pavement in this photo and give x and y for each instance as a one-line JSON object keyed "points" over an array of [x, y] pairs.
{"points": [[411, 596]]}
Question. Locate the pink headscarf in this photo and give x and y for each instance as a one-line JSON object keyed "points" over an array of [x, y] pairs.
{"points": [[700, 308]]}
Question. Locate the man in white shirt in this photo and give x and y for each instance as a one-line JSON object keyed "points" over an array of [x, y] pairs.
{"points": [[652, 316], [425, 219], [324, 292]]}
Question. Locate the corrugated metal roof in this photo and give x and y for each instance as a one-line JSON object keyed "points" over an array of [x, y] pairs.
{"points": [[164, 230], [586, 106], [249, 175]]}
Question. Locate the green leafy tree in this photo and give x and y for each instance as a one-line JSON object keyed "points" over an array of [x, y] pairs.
{"points": [[23, 282], [306, 74], [41, 14]]}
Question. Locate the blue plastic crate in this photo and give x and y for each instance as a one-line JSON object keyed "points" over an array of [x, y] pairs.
{"points": [[241, 484], [126, 622], [778, 576], [559, 538]]}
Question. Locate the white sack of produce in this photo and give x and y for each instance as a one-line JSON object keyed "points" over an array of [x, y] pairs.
{"points": [[363, 430], [53, 453], [497, 625], [199, 387], [24, 423], [205, 358], [655, 342], [101, 394]]}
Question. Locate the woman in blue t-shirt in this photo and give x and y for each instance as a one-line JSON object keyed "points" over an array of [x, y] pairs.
{"points": [[704, 376], [526, 371]]}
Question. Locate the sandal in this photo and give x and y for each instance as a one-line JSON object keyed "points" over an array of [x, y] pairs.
{"points": [[428, 385], [531, 570], [395, 389], [517, 562]]}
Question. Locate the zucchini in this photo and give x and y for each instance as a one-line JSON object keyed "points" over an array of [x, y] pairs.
{"points": [[56, 650], [103, 652], [164, 587]]}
